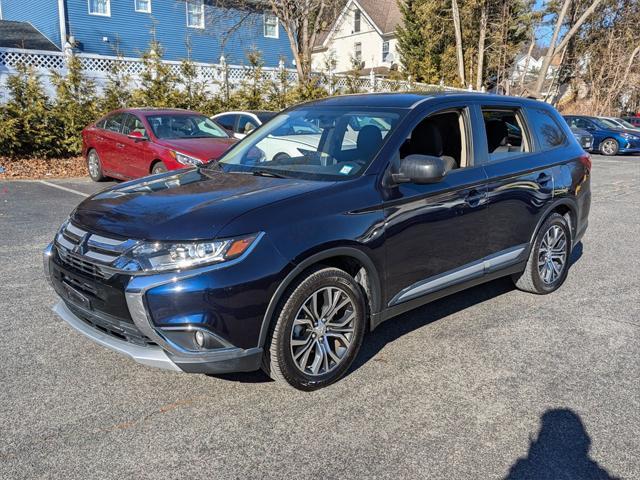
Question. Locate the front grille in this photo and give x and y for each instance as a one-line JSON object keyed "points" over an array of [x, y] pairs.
{"points": [[112, 326], [90, 253]]}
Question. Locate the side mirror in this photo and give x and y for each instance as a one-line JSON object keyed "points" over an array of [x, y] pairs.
{"points": [[420, 169], [137, 136]]}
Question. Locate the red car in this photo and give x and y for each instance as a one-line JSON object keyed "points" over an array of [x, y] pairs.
{"points": [[132, 143]]}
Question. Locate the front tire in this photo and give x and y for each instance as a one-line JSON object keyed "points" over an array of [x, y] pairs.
{"points": [[94, 166], [318, 330], [610, 147], [548, 262], [158, 168]]}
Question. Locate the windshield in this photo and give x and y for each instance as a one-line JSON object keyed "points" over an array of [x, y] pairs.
{"points": [[176, 126], [625, 124], [333, 143], [604, 123]]}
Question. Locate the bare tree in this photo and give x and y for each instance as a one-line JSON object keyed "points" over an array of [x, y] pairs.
{"points": [[482, 36], [455, 10], [553, 48], [303, 21]]}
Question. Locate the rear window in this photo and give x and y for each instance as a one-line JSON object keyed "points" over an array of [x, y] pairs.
{"points": [[506, 133], [549, 133]]}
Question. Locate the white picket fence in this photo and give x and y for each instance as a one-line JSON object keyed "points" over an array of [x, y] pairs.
{"points": [[217, 76]]}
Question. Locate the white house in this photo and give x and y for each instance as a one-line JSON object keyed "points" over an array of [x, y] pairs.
{"points": [[365, 31]]}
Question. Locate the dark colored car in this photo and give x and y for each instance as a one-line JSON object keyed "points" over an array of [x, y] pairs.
{"points": [[635, 121], [584, 138], [608, 139], [285, 263], [132, 143]]}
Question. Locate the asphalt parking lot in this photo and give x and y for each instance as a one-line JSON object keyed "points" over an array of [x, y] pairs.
{"points": [[488, 383]]}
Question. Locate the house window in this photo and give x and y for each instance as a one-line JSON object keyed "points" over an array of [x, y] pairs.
{"points": [[195, 13], [271, 25], [385, 51], [357, 52], [357, 20], [143, 6], [100, 7]]}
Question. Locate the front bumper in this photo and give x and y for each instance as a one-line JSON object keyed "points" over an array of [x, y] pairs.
{"points": [[136, 334]]}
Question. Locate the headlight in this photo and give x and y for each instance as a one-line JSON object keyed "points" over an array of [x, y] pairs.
{"points": [[629, 136], [185, 159], [165, 256]]}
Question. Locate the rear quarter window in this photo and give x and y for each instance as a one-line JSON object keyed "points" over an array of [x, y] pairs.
{"points": [[550, 134]]}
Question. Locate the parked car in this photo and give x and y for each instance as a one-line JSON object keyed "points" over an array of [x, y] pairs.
{"points": [[607, 139], [584, 138], [132, 143], [285, 263], [242, 123], [620, 123], [635, 121]]}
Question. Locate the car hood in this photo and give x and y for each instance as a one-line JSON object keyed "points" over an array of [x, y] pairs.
{"points": [[202, 148], [189, 204]]}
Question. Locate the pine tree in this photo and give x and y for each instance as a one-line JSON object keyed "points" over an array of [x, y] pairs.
{"points": [[411, 43], [75, 106], [158, 84], [26, 117], [117, 91]]}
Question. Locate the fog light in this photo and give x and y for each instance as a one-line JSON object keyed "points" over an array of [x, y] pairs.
{"points": [[199, 336]]}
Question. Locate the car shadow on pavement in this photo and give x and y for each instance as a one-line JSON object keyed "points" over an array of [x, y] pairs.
{"points": [[561, 450], [403, 324]]}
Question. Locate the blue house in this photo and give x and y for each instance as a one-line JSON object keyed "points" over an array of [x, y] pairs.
{"points": [[195, 28]]}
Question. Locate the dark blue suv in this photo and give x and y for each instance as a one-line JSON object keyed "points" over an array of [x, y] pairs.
{"points": [[285, 259], [608, 138]]}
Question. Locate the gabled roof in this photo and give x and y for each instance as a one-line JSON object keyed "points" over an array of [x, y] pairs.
{"points": [[24, 35], [385, 16], [384, 13]]}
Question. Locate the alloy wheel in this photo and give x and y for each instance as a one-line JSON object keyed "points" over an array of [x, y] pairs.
{"points": [[552, 254], [609, 147], [94, 164], [323, 331]]}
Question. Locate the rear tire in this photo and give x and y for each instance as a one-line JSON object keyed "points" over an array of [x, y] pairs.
{"points": [[94, 166], [610, 147], [318, 330], [548, 262], [158, 168]]}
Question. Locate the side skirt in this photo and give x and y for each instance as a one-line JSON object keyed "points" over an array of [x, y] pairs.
{"points": [[400, 308]]}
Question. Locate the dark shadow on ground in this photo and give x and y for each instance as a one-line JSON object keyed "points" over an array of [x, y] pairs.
{"points": [[561, 451]]}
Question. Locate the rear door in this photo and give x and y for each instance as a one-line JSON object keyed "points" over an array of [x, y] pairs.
{"points": [[519, 158]]}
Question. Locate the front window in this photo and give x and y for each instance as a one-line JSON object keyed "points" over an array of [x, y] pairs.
{"points": [[100, 7], [143, 6], [270, 25], [177, 126], [316, 143], [385, 51], [357, 52], [195, 13]]}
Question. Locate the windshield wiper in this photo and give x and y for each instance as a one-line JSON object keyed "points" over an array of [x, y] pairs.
{"points": [[266, 173]]}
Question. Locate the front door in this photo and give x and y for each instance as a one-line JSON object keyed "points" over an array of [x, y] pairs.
{"points": [[436, 233], [134, 155]]}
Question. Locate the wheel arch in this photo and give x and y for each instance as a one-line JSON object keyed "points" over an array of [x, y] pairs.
{"points": [[350, 259], [153, 163], [568, 208]]}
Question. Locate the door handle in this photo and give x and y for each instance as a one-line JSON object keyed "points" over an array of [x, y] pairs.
{"points": [[544, 178], [474, 198], [120, 145]]}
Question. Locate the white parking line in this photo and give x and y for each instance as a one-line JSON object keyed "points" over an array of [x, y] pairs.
{"points": [[60, 187]]}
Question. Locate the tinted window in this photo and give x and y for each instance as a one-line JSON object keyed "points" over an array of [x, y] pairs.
{"points": [[227, 121], [547, 129], [506, 134]]}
